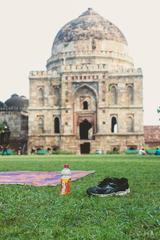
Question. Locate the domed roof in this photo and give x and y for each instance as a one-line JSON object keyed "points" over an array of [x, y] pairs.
{"points": [[2, 104], [16, 102], [89, 39], [89, 25]]}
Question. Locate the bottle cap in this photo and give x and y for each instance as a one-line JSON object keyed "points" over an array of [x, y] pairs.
{"points": [[66, 165]]}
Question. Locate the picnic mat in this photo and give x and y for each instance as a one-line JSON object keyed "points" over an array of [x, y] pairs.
{"points": [[38, 178]]}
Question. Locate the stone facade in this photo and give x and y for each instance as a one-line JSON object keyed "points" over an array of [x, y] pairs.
{"points": [[17, 123], [152, 136], [14, 115], [90, 96]]}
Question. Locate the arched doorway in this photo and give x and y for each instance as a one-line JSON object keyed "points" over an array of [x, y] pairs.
{"points": [[113, 125], [85, 148], [85, 105], [84, 128]]}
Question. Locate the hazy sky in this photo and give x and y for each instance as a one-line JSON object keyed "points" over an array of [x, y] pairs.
{"points": [[28, 28]]}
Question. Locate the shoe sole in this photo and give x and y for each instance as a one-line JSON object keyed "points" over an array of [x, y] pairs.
{"points": [[120, 193]]}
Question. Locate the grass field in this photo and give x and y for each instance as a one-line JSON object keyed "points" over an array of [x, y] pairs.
{"points": [[40, 213]]}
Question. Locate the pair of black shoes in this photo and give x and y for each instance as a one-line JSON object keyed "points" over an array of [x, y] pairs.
{"points": [[110, 187]]}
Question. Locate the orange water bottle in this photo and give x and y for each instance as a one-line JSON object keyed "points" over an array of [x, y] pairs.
{"points": [[66, 180]]}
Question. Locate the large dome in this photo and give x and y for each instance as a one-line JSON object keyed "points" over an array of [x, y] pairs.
{"points": [[89, 25], [16, 102], [88, 35]]}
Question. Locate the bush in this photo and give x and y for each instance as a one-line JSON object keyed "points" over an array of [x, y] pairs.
{"points": [[42, 152], [113, 152], [131, 151]]}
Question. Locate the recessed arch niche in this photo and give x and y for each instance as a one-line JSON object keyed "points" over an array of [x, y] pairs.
{"points": [[85, 98]]}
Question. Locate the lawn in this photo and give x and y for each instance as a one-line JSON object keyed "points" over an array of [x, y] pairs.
{"points": [[40, 213]]}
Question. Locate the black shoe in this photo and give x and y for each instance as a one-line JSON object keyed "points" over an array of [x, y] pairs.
{"points": [[110, 187]]}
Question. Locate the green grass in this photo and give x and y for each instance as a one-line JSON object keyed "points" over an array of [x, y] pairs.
{"points": [[40, 213]]}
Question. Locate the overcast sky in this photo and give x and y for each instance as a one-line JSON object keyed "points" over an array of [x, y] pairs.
{"points": [[28, 28]]}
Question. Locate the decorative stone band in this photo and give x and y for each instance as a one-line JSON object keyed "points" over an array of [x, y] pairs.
{"points": [[43, 74], [126, 72], [102, 67], [88, 68], [38, 73], [106, 54], [89, 53]]}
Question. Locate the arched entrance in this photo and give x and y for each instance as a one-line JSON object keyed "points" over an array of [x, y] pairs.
{"points": [[85, 148], [113, 125], [84, 128]]}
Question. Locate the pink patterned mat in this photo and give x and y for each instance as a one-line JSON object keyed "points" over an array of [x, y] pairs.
{"points": [[38, 178]]}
